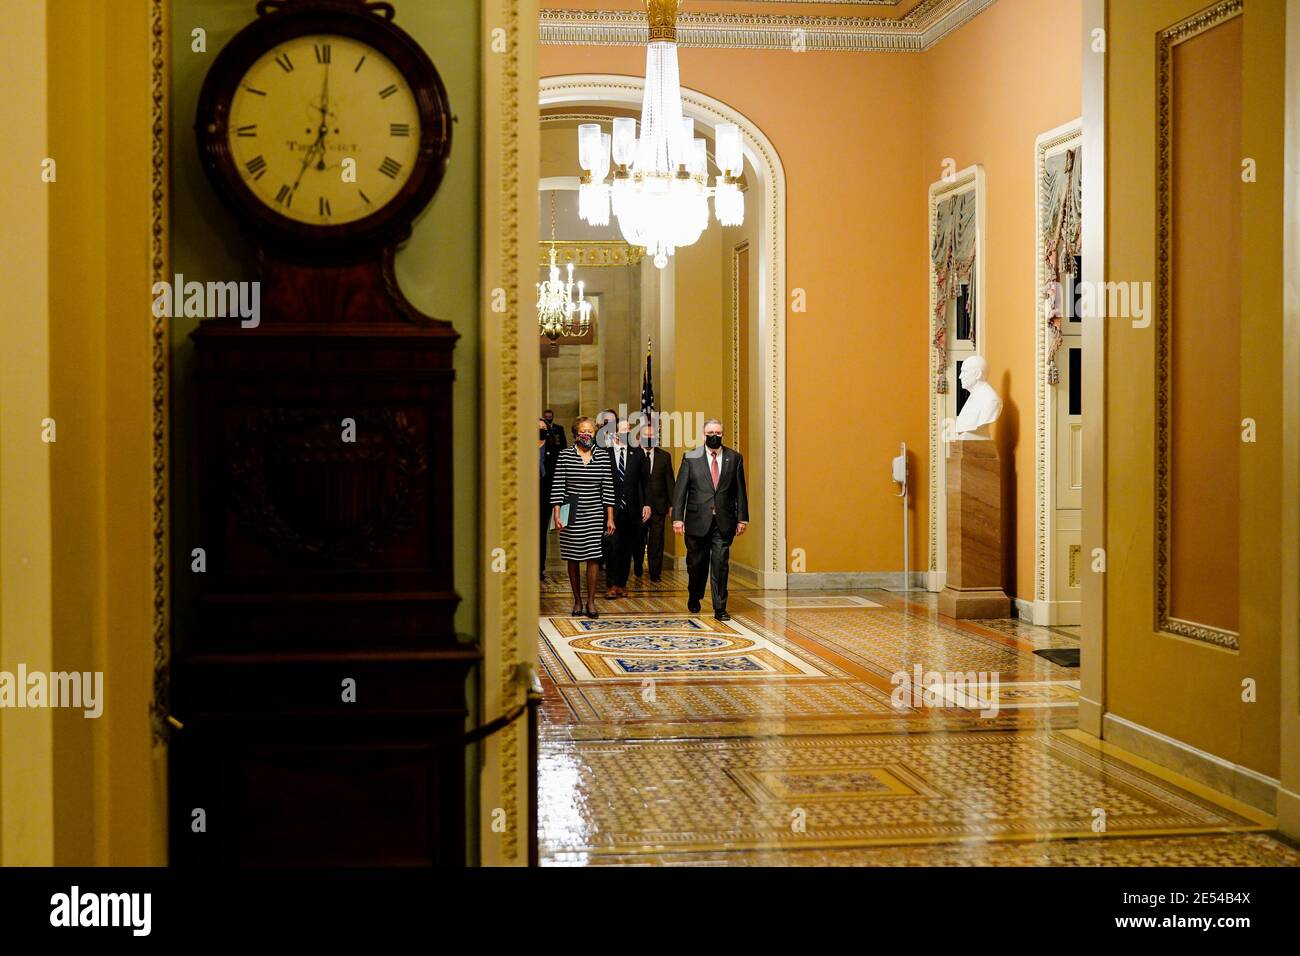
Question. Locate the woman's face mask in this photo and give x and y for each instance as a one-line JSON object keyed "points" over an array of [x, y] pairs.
{"points": [[586, 439]]}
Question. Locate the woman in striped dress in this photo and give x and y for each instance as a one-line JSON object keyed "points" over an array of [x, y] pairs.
{"points": [[582, 473]]}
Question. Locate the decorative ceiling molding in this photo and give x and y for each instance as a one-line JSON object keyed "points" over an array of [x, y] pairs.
{"points": [[590, 253], [838, 3], [919, 30]]}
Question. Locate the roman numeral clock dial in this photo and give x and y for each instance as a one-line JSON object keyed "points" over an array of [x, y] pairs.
{"points": [[303, 110]]}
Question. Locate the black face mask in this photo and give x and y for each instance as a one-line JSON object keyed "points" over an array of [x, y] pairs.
{"points": [[713, 441]]}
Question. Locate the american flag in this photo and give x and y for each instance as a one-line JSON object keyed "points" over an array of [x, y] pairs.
{"points": [[647, 391]]}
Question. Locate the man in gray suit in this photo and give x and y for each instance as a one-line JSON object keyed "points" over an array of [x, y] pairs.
{"points": [[711, 507]]}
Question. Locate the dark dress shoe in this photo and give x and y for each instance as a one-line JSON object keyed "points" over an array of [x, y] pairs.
{"points": [[577, 611], [653, 579], [592, 612], [693, 607], [722, 615]]}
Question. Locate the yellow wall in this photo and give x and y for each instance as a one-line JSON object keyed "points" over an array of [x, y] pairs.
{"points": [[861, 137], [1186, 689], [77, 513], [26, 736], [702, 384]]}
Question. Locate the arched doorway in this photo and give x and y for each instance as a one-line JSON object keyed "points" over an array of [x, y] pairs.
{"points": [[608, 90]]}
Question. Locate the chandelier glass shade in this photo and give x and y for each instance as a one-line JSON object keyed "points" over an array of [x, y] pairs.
{"points": [[659, 188], [557, 312]]}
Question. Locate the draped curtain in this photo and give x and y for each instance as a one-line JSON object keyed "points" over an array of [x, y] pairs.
{"points": [[1061, 244], [953, 256]]}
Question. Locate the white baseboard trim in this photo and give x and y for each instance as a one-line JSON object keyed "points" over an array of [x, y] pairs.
{"points": [[1025, 610], [934, 580], [1241, 783], [853, 580], [1051, 613]]}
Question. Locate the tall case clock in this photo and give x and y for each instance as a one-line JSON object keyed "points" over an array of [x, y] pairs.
{"points": [[318, 681]]}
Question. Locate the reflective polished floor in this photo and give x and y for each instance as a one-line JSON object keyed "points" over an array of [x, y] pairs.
{"points": [[787, 737]]}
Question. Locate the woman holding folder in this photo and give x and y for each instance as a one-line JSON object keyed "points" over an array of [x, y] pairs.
{"points": [[582, 503]]}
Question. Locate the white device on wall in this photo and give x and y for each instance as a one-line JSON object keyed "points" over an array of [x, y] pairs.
{"points": [[899, 474]]}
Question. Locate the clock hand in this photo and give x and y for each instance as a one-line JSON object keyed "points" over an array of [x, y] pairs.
{"points": [[318, 147], [306, 161], [324, 116]]}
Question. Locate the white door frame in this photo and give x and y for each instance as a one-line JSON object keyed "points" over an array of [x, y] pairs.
{"points": [[603, 88], [1045, 608], [965, 180]]}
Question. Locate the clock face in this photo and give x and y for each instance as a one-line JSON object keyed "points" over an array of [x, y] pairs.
{"points": [[324, 130]]}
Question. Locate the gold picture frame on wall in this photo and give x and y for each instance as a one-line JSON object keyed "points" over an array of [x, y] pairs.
{"points": [[160, 356], [1166, 41]]}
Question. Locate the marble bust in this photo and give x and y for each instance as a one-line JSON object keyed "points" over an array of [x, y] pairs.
{"points": [[983, 406]]}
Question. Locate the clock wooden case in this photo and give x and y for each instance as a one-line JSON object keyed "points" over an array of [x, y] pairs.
{"points": [[318, 677]]}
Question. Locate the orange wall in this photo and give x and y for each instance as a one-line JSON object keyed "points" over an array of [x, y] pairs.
{"points": [[993, 87], [861, 137]]}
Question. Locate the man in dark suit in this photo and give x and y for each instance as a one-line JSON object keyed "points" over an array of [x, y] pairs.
{"points": [[547, 454], [557, 431], [659, 497], [711, 507], [627, 466], [606, 430]]}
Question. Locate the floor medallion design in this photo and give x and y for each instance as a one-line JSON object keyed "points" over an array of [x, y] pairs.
{"points": [[775, 738], [666, 648]]}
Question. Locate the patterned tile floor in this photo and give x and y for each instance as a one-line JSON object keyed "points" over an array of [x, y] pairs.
{"points": [[843, 728]]}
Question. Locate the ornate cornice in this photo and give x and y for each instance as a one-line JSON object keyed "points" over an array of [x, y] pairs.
{"points": [[924, 26], [590, 253], [837, 3]]}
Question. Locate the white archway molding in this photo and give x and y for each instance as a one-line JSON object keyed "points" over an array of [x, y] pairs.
{"points": [[606, 89]]}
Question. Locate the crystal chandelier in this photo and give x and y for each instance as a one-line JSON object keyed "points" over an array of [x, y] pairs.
{"points": [[556, 310], [659, 190]]}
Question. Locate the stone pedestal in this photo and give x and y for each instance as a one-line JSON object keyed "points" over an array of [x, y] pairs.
{"points": [[974, 490]]}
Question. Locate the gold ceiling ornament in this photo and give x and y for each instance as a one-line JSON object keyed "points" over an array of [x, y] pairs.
{"points": [[592, 253], [557, 313], [662, 15]]}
